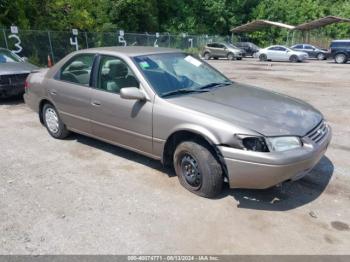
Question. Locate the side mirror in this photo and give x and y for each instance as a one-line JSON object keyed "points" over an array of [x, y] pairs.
{"points": [[132, 93]]}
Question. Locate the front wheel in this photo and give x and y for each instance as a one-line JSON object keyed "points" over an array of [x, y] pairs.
{"points": [[53, 123], [230, 56], [198, 169], [321, 56], [293, 59]]}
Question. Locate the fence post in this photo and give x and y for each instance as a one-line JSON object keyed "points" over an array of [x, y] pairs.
{"points": [[51, 49], [86, 40], [5, 38]]}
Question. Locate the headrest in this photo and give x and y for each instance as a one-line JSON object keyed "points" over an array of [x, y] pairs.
{"points": [[77, 65], [118, 69]]}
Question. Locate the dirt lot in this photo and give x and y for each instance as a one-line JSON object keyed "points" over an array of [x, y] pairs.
{"points": [[81, 196]]}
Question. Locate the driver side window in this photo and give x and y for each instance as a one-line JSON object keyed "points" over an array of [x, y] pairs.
{"points": [[114, 74]]}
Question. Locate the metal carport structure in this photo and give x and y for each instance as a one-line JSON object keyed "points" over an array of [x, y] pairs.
{"points": [[259, 24]]}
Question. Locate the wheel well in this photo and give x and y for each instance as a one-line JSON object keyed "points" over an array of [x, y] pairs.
{"points": [[41, 106], [176, 138]]}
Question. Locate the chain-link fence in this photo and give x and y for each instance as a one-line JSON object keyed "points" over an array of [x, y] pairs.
{"points": [[38, 45]]}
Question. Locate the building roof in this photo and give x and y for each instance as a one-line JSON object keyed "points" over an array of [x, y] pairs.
{"points": [[321, 22], [259, 24]]}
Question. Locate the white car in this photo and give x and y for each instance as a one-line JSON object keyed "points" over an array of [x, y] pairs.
{"points": [[281, 53]]}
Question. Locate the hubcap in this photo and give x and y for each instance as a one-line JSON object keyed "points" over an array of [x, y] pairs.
{"points": [[340, 58], [206, 56], [51, 120], [190, 171]]}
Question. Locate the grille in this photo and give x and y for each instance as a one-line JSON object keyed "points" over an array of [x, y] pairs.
{"points": [[318, 133], [13, 79]]}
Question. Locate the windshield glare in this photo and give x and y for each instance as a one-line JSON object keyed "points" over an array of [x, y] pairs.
{"points": [[173, 71], [7, 56]]}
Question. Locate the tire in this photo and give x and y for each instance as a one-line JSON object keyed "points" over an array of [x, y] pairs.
{"points": [[321, 56], [340, 58], [293, 59], [54, 125], [206, 56], [230, 56], [197, 169], [262, 57]]}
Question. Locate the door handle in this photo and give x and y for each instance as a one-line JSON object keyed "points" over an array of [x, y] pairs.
{"points": [[96, 103], [53, 92]]}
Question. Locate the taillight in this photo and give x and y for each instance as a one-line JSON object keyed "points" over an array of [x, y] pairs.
{"points": [[26, 84]]}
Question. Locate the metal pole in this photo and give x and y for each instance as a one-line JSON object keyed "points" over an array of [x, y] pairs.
{"points": [[5, 37], [86, 40], [53, 56]]}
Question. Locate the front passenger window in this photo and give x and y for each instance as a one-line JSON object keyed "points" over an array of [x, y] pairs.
{"points": [[114, 74]]}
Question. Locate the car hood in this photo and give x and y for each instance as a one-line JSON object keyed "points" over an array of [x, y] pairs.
{"points": [[262, 111], [16, 68]]}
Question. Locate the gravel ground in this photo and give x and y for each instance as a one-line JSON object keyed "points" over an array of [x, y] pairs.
{"points": [[82, 196]]}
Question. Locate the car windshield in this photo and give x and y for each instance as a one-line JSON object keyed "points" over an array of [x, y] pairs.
{"points": [[179, 73], [7, 56]]}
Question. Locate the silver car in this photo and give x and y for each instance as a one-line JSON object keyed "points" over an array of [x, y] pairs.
{"points": [[222, 50], [281, 53], [171, 106]]}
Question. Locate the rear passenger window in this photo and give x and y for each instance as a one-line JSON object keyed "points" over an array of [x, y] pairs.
{"points": [[78, 69]]}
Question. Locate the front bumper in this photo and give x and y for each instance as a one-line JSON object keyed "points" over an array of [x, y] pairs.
{"points": [[11, 89], [259, 170]]}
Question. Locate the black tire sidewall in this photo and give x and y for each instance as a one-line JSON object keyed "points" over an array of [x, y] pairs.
{"points": [[293, 59], [262, 57], [62, 132], [343, 62], [206, 56], [230, 56], [208, 165]]}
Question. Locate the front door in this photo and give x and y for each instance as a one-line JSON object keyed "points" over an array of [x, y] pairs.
{"points": [[127, 123]]}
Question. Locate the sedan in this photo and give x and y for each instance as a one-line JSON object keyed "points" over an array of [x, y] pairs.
{"points": [[171, 106], [13, 72], [281, 53], [312, 51]]}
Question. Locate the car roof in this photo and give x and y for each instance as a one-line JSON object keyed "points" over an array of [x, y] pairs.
{"points": [[276, 46], [131, 50], [344, 40]]}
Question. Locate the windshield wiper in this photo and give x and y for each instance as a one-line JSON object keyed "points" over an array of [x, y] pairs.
{"points": [[182, 91], [212, 85]]}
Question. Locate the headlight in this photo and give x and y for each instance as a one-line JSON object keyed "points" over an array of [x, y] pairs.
{"points": [[251, 143], [283, 143]]}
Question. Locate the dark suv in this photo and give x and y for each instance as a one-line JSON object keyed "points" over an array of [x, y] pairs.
{"points": [[248, 47], [340, 51]]}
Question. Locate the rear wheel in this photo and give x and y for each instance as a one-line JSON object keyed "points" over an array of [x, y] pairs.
{"points": [[321, 56], [340, 59], [262, 57], [230, 56], [53, 123], [198, 169], [207, 56], [293, 59]]}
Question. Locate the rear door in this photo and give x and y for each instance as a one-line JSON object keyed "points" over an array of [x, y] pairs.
{"points": [[124, 122], [70, 92], [309, 50]]}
